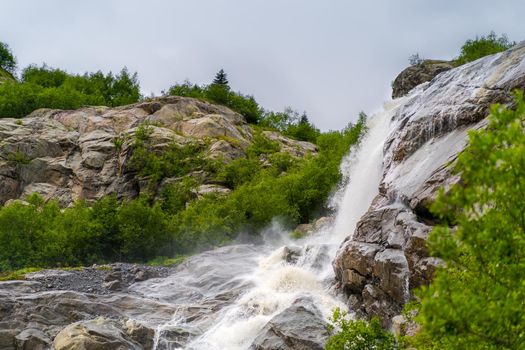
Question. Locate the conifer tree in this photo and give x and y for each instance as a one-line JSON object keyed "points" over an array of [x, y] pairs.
{"points": [[221, 78]]}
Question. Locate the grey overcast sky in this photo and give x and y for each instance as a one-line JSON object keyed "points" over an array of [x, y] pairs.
{"points": [[331, 58]]}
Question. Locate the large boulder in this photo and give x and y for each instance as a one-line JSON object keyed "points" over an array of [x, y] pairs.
{"points": [[32, 339], [97, 334], [418, 74], [299, 327], [385, 256]]}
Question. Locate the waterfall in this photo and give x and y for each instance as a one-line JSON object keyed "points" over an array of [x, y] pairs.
{"points": [[226, 297]]}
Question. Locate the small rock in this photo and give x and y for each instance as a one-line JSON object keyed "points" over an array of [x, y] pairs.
{"points": [[99, 333], [113, 285], [140, 333], [113, 276], [32, 339]]}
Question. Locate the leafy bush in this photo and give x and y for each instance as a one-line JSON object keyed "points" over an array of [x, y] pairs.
{"points": [[291, 124], [45, 87], [7, 60], [359, 335], [261, 145], [483, 46], [41, 234], [476, 300], [175, 161]]}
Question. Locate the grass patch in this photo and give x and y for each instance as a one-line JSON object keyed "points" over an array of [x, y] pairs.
{"points": [[18, 274], [165, 261]]}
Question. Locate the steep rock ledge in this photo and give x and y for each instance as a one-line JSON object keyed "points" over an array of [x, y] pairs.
{"points": [[380, 263]]}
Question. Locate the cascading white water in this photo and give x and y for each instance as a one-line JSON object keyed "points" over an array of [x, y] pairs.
{"points": [[363, 170], [225, 297]]}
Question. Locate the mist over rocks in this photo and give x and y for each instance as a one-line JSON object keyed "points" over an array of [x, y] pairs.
{"points": [[385, 257]]}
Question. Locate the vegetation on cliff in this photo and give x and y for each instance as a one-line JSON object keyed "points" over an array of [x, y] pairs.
{"points": [[359, 335], [46, 87], [7, 59], [482, 46], [476, 301], [295, 190], [288, 122], [172, 215]]}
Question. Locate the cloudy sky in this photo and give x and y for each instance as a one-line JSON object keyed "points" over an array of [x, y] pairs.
{"points": [[331, 58]]}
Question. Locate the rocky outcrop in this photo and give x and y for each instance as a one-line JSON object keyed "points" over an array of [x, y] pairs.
{"points": [[99, 333], [299, 327], [417, 74], [85, 153], [385, 257]]}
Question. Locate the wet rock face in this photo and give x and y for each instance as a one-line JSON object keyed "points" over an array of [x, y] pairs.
{"points": [[385, 256], [418, 74], [94, 334], [74, 154], [35, 311], [299, 327]]}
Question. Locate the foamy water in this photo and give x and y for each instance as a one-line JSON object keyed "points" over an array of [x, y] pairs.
{"points": [[226, 297]]}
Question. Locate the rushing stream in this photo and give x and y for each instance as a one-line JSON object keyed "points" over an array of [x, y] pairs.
{"points": [[225, 297]]}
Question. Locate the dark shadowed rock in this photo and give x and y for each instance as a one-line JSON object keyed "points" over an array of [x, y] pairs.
{"points": [[32, 339], [418, 74], [140, 333]]}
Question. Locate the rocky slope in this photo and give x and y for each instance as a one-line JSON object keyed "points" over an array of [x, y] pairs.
{"points": [[385, 258], [74, 154]]}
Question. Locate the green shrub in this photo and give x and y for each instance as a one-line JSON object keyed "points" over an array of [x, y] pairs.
{"points": [[483, 46], [143, 230], [303, 130], [359, 335], [173, 197], [239, 171], [7, 59], [45, 87], [175, 161], [291, 124], [261, 145]]}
